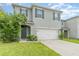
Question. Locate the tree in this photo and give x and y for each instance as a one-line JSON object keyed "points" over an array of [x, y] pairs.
{"points": [[10, 26]]}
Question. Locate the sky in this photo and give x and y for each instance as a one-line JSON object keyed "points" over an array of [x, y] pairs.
{"points": [[69, 9]]}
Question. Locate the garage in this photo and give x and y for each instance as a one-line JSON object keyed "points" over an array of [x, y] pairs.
{"points": [[47, 34]]}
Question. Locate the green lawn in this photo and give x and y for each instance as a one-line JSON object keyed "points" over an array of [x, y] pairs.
{"points": [[72, 40], [25, 49]]}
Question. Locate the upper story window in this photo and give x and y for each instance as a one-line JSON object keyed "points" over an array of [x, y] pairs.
{"points": [[24, 12], [56, 16], [39, 13], [17, 10]]}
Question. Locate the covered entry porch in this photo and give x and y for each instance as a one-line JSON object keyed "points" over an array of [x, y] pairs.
{"points": [[65, 32], [25, 31]]}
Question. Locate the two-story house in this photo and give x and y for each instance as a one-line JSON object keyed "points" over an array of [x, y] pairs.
{"points": [[43, 22]]}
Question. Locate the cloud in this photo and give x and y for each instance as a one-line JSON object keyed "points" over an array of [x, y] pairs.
{"points": [[68, 10], [57, 6], [69, 13]]}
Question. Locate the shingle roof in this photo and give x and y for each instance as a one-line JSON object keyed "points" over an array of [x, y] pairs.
{"points": [[72, 18]]}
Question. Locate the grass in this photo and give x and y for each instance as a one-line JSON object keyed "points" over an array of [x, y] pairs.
{"points": [[72, 40], [26, 49]]}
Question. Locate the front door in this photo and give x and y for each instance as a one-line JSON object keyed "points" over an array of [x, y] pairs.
{"points": [[25, 31]]}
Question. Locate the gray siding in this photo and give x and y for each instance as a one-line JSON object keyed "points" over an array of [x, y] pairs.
{"points": [[72, 25], [77, 22], [47, 22]]}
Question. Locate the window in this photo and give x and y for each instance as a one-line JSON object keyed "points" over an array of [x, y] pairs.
{"points": [[56, 16], [39, 13], [17, 10], [24, 12]]}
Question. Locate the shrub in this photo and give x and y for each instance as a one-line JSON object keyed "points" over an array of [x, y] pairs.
{"points": [[32, 38], [10, 26]]}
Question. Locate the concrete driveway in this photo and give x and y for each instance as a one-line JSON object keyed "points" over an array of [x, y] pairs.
{"points": [[64, 48]]}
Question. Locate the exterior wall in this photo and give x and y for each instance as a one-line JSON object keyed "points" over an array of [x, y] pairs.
{"points": [[62, 23], [77, 19], [42, 24], [47, 22], [33, 30], [72, 25], [77, 30]]}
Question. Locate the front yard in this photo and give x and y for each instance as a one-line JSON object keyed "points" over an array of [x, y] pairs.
{"points": [[25, 49], [72, 40]]}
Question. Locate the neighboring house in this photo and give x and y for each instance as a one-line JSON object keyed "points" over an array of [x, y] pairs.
{"points": [[41, 21], [71, 27]]}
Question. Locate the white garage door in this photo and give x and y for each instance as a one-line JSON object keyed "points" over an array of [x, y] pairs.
{"points": [[47, 34]]}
